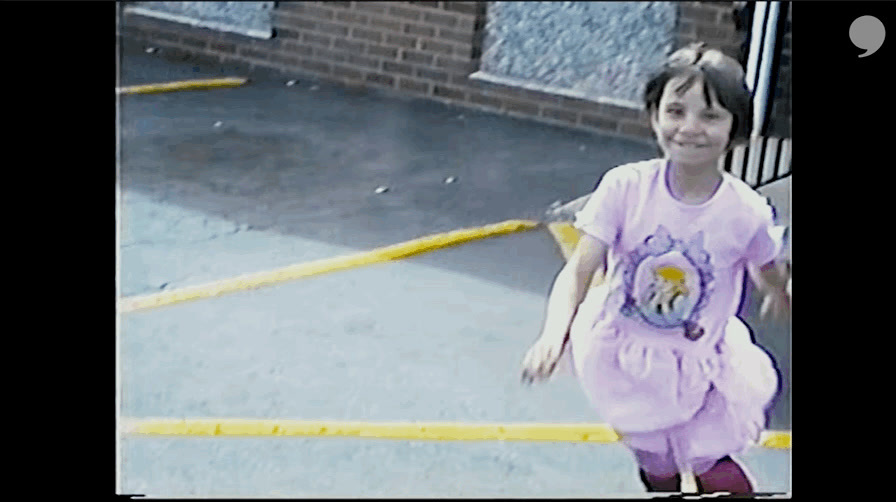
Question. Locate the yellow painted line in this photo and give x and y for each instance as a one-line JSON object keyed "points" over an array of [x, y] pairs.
{"points": [[439, 431], [567, 237], [267, 278], [449, 431], [183, 85], [776, 439]]}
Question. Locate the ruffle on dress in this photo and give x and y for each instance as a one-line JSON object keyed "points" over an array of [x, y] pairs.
{"points": [[638, 385]]}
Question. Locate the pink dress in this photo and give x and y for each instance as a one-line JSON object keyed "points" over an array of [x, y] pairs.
{"points": [[658, 348]]}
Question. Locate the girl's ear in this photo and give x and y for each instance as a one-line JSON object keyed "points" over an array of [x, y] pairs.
{"points": [[653, 119]]}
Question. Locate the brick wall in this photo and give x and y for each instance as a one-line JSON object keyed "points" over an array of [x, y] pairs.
{"points": [[425, 49]]}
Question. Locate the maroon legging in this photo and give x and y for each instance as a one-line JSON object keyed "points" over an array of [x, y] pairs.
{"points": [[725, 476]]}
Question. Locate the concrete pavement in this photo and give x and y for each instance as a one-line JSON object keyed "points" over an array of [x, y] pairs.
{"points": [[290, 176]]}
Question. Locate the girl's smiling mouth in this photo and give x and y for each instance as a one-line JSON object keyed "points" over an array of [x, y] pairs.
{"points": [[689, 144]]}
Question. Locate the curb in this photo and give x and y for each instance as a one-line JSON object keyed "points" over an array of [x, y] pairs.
{"points": [[184, 85], [301, 270]]}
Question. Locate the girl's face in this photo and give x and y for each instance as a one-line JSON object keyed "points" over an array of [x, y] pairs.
{"points": [[690, 132]]}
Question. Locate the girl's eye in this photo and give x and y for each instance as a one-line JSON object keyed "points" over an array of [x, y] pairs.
{"points": [[712, 116]]}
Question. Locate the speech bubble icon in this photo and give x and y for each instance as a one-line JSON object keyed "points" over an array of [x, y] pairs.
{"points": [[867, 32]]}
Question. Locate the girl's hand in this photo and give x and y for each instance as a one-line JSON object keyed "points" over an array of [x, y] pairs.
{"points": [[775, 285], [541, 360], [776, 304]]}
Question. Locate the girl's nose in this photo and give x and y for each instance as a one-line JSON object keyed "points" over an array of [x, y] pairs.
{"points": [[691, 123]]}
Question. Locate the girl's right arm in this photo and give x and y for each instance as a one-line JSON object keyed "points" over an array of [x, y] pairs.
{"points": [[567, 293]]}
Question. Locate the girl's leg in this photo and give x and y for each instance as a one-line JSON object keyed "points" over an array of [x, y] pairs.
{"points": [[658, 472], [725, 476], [655, 484]]}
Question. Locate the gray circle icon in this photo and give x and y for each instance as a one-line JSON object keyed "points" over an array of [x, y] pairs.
{"points": [[867, 32]]}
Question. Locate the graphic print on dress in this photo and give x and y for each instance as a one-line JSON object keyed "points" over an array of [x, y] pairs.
{"points": [[667, 282]]}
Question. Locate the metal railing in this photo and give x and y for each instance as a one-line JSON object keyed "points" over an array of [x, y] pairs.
{"points": [[762, 161]]}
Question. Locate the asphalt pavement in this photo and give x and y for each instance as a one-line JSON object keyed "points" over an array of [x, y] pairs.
{"points": [[223, 182]]}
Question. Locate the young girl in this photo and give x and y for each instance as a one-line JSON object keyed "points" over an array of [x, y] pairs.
{"points": [[657, 346]]}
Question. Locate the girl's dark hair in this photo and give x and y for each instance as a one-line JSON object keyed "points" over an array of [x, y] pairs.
{"points": [[722, 75]]}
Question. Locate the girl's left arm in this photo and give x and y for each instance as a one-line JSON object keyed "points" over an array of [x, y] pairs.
{"points": [[773, 282]]}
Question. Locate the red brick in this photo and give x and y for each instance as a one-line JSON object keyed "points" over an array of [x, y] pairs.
{"points": [[528, 95], [462, 7], [290, 21], [349, 46], [401, 40], [404, 12], [435, 75], [317, 66], [284, 61], [490, 88], [463, 79], [297, 49], [414, 29], [466, 23], [254, 53], [347, 72], [437, 47], [417, 57], [385, 24], [290, 7], [411, 85], [223, 47], [363, 61], [321, 54], [438, 19], [199, 43], [289, 33], [313, 11], [332, 29], [576, 104], [369, 35], [620, 112], [524, 107], [557, 114], [454, 64], [319, 40], [352, 17], [282, 17], [484, 100], [447, 92], [463, 37], [379, 78], [392, 67], [381, 51], [372, 7]]}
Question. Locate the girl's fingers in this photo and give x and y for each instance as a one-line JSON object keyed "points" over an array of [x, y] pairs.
{"points": [[539, 362], [547, 362]]}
